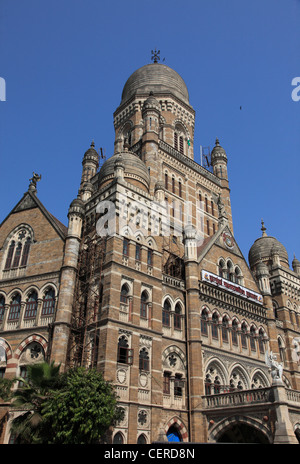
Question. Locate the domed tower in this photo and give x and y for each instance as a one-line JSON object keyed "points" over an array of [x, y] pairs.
{"points": [[155, 109], [268, 250]]}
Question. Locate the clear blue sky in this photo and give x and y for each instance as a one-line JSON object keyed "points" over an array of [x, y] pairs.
{"points": [[65, 63]]}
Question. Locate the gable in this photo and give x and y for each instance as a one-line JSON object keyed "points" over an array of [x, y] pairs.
{"points": [[224, 246]]}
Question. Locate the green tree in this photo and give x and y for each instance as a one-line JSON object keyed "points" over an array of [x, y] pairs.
{"points": [[28, 400], [83, 410]]}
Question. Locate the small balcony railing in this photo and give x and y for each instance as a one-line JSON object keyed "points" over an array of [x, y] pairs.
{"points": [[237, 398]]}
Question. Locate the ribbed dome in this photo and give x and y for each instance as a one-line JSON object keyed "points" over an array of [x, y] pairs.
{"points": [[264, 247], [134, 168], [158, 78]]}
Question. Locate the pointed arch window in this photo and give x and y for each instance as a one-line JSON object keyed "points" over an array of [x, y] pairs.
{"points": [[31, 306], [181, 149], [48, 302], [261, 345], [124, 294], [125, 354], [10, 254], [26, 252], [244, 335], [17, 255], [144, 305], [234, 333], [175, 141], [2, 307], [204, 322], [166, 181], [252, 339], [177, 317], [15, 308], [144, 360], [166, 313], [225, 329], [214, 326]]}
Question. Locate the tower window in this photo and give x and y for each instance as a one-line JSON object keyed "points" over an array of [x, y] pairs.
{"points": [[175, 141], [166, 181], [125, 355], [124, 294], [125, 247], [181, 145], [177, 317]]}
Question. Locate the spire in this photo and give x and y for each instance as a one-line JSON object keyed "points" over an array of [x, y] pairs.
{"points": [[263, 229]]}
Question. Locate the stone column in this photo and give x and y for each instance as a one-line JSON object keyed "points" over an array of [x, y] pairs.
{"points": [[284, 433]]}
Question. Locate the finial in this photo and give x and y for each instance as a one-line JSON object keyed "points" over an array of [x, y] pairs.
{"points": [[263, 228], [33, 181], [155, 55], [93, 144], [217, 142]]}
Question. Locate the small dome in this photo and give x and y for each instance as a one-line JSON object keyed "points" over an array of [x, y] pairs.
{"points": [[159, 79], [264, 248], [77, 207], [91, 153], [218, 152], [134, 168]]}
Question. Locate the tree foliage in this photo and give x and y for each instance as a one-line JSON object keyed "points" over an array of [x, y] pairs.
{"points": [[76, 407], [83, 410]]}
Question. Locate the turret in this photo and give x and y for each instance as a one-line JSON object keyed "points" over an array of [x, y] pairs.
{"points": [[90, 164]]}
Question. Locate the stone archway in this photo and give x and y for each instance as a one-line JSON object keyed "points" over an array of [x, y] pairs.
{"points": [[241, 430]]}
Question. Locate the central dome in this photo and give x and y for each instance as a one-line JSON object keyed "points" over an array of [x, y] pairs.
{"points": [[158, 78]]}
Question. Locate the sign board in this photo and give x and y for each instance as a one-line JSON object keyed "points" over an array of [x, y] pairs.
{"points": [[232, 287]]}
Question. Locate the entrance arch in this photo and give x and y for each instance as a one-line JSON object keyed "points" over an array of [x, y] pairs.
{"points": [[241, 430], [175, 430]]}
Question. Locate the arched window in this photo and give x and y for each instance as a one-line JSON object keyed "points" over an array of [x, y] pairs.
{"points": [[18, 248], [166, 313], [180, 189], [118, 439], [17, 255], [138, 250], [212, 208], [225, 329], [2, 308], [144, 360], [214, 326], [221, 268], [234, 333], [175, 141], [181, 146], [10, 255], [125, 354], [15, 308], [204, 322], [173, 184], [177, 317], [142, 440], [144, 305], [166, 181], [237, 276], [252, 339], [31, 306], [275, 309], [48, 302], [207, 385], [261, 345], [244, 335], [125, 247], [230, 273], [124, 294], [26, 252], [167, 383]]}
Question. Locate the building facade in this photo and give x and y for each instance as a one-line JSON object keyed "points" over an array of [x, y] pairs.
{"points": [[148, 285]]}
